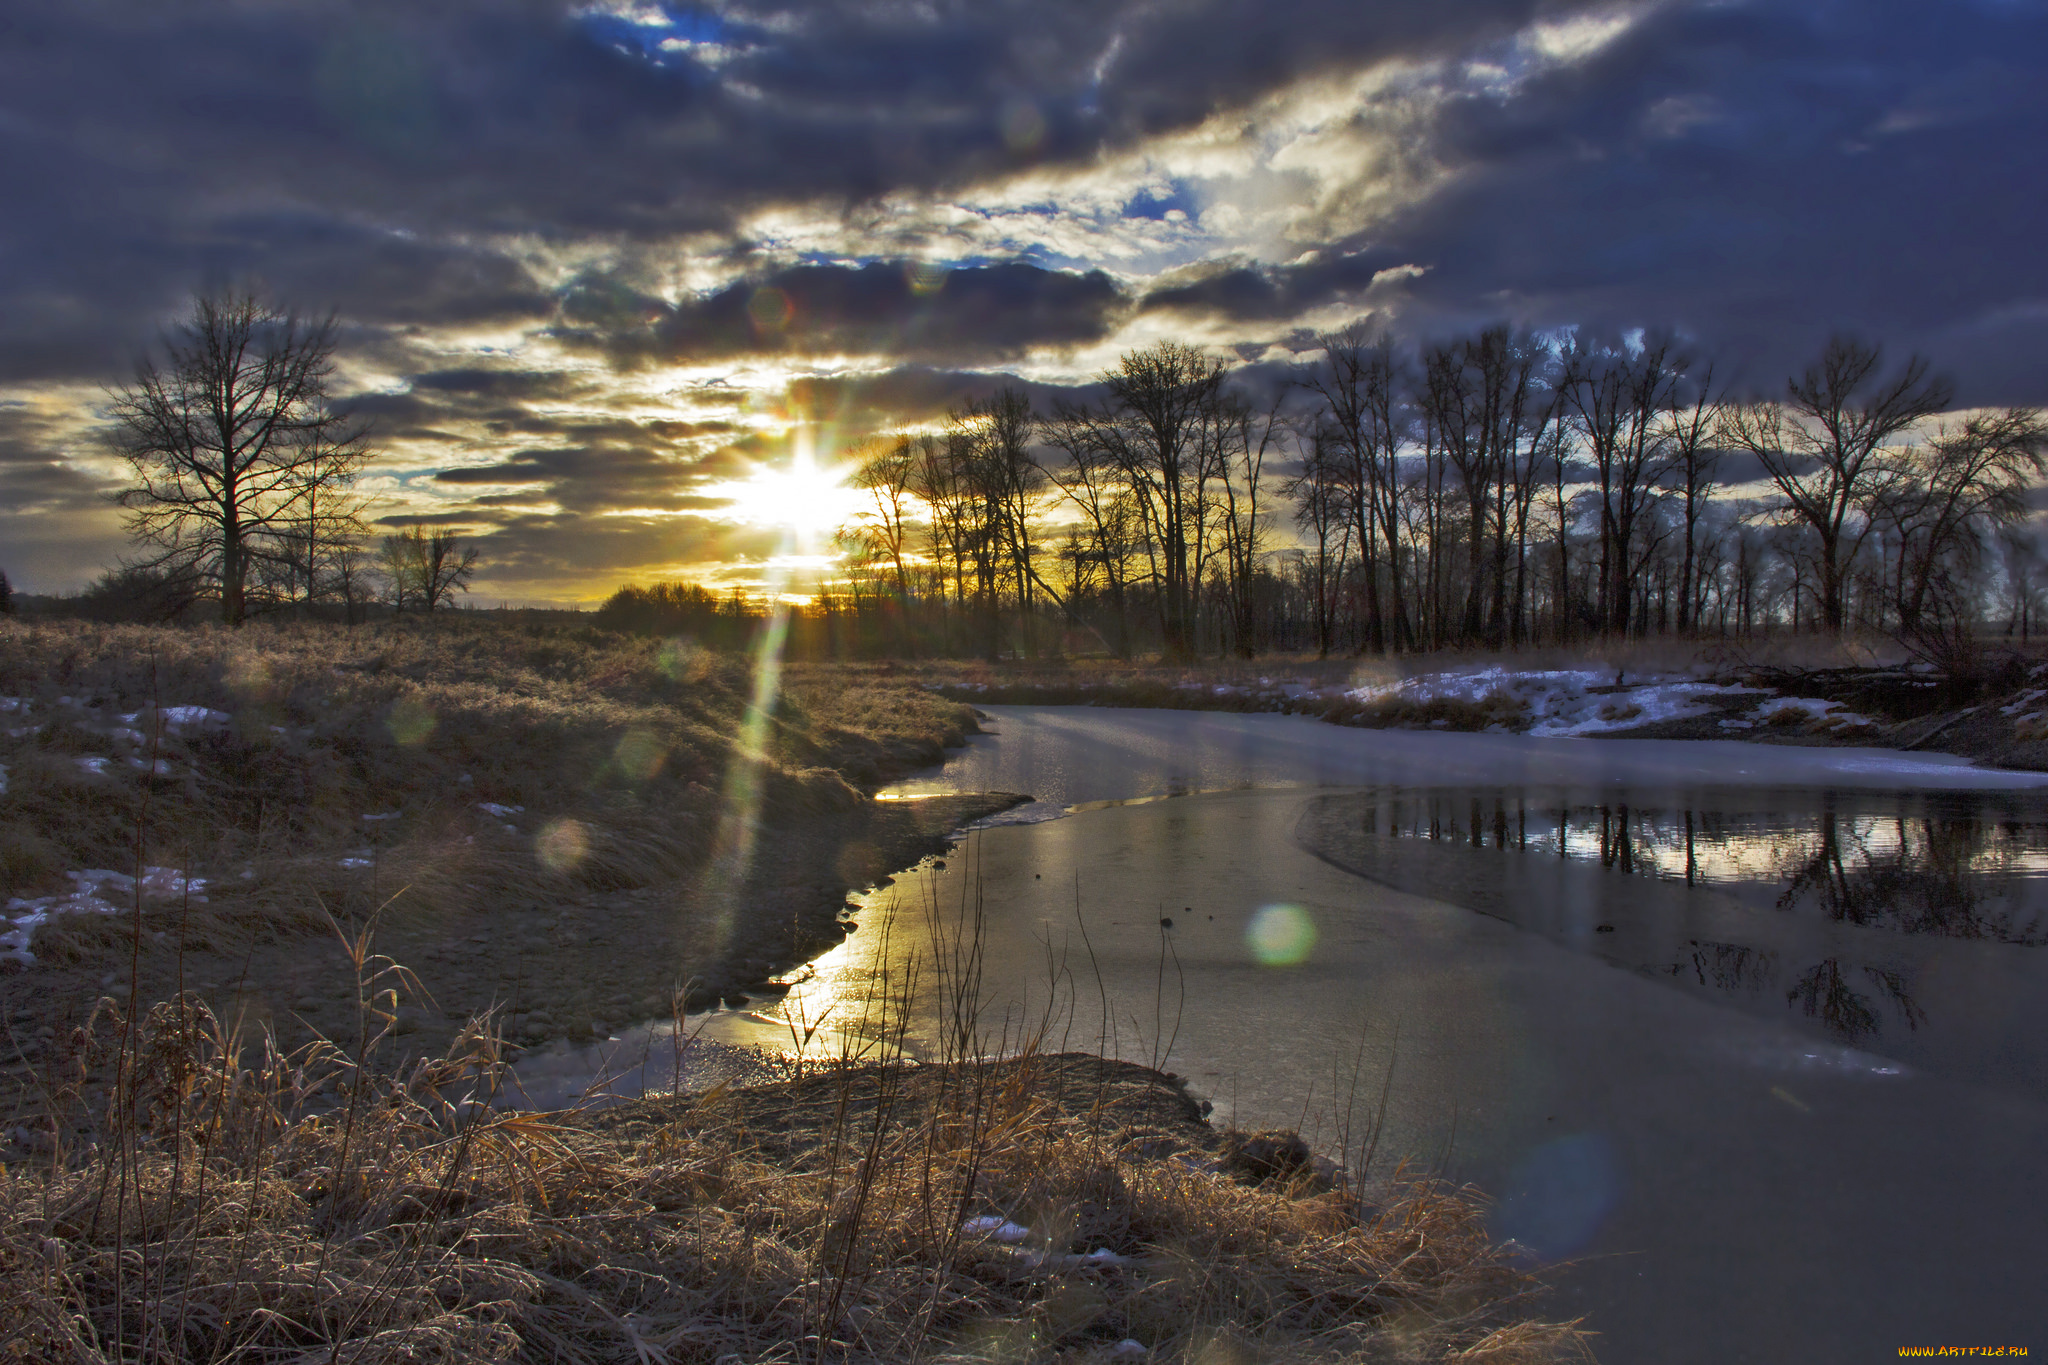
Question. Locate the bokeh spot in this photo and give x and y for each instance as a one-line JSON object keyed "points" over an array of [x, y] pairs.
{"points": [[411, 721], [640, 754], [678, 657], [1023, 127], [1280, 935], [770, 309], [563, 844], [1560, 1195]]}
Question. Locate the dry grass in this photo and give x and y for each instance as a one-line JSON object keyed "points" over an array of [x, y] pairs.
{"points": [[198, 1191], [227, 1202], [627, 744]]}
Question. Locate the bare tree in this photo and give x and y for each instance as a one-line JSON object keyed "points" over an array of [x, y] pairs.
{"points": [[1322, 509], [231, 439], [427, 567], [1162, 401], [349, 574], [1691, 434], [1091, 479], [1619, 393], [1358, 382], [1947, 494], [1826, 447], [886, 473]]}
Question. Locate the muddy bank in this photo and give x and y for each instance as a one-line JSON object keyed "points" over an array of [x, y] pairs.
{"points": [[570, 967]]}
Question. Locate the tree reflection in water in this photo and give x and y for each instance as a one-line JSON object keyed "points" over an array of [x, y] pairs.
{"points": [[1902, 865], [1951, 876], [1824, 993]]}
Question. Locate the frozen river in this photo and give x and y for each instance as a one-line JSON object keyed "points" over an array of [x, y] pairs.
{"points": [[1753, 1036]]}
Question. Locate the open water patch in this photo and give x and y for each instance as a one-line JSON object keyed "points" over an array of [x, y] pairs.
{"points": [[1907, 925]]}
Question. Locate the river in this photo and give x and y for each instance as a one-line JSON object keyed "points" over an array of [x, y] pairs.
{"points": [[1751, 1042]]}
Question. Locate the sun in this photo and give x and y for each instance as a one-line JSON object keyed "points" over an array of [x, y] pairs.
{"points": [[803, 500]]}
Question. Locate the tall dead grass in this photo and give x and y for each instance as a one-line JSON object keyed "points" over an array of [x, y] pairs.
{"points": [[224, 1200]]}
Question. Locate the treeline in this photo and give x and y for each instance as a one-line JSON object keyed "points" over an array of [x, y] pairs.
{"points": [[1494, 490], [830, 625], [353, 579]]}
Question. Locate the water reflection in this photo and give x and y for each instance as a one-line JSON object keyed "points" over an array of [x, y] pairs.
{"points": [[1914, 865], [1837, 886]]}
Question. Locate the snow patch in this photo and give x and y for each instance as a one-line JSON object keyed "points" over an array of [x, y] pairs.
{"points": [[192, 715], [99, 892], [493, 808], [1560, 702], [995, 1229], [1810, 712], [2023, 701]]}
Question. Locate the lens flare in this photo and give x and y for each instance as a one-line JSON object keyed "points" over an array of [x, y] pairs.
{"points": [[1023, 127], [1280, 935], [770, 309], [411, 721], [1561, 1194], [925, 277], [677, 658], [640, 754], [251, 677], [563, 844]]}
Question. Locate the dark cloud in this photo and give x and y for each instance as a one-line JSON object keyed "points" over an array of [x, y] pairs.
{"points": [[517, 471], [35, 474], [358, 154], [912, 395], [498, 384], [57, 527], [1254, 293], [886, 307], [1759, 177], [553, 555], [600, 478]]}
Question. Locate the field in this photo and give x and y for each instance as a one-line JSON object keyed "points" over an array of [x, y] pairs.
{"points": [[248, 1088], [569, 826]]}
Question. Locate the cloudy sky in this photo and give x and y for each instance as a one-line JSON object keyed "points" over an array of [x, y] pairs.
{"points": [[606, 270]]}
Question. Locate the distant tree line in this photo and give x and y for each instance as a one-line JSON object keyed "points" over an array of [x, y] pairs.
{"points": [[1493, 490]]}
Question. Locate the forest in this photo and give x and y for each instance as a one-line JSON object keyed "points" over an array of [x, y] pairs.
{"points": [[1491, 491]]}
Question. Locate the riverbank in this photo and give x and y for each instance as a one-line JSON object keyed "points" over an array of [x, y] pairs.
{"points": [[1785, 692], [566, 826], [1045, 1208]]}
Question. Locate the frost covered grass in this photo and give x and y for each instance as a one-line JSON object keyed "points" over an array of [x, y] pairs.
{"points": [[223, 1200], [300, 770]]}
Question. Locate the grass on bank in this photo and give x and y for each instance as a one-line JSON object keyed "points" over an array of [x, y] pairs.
{"points": [[296, 768], [222, 1200]]}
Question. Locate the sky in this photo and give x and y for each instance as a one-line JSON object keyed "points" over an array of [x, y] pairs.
{"points": [[613, 278]]}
